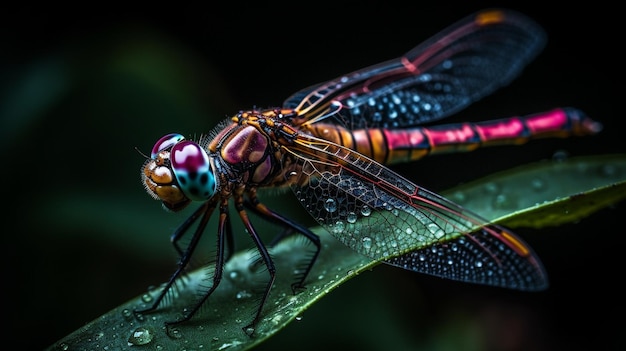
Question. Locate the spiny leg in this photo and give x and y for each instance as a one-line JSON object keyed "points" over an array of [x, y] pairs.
{"points": [[230, 241], [180, 231], [291, 227], [185, 256], [222, 236], [249, 329], [286, 230]]}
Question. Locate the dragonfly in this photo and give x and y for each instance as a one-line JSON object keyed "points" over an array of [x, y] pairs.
{"points": [[332, 143]]}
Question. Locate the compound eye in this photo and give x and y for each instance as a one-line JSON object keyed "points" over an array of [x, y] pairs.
{"points": [[193, 171], [165, 142]]}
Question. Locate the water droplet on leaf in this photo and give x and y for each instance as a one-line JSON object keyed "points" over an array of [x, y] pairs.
{"points": [[140, 336], [366, 211], [367, 242]]}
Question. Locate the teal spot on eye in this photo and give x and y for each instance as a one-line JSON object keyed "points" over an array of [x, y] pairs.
{"points": [[192, 167]]}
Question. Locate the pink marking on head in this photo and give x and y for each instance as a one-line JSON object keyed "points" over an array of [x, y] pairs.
{"points": [[165, 142], [186, 155]]}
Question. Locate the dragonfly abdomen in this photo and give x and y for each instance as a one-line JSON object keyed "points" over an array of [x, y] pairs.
{"points": [[389, 146]]}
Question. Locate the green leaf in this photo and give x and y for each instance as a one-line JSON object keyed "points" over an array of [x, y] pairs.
{"points": [[548, 193], [536, 195]]}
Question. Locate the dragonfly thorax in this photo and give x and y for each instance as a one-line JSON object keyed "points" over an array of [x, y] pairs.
{"points": [[178, 172], [248, 149]]}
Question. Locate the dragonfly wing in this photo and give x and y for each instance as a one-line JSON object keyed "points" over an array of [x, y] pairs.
{"points": [[489, 255], [441, 76], [382, 215]]}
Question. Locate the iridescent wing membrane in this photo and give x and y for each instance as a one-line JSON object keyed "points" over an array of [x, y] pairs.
{"points": [[384, 216], [463, 63]]}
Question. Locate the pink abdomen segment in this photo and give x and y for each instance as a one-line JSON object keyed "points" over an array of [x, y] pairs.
{"points": [[412, 144], [404, 145]]}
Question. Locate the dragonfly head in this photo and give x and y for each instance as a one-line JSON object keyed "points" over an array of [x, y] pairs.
{"points": [[178, 172]]}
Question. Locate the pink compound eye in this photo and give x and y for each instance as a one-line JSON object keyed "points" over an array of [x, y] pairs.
{"points": [[193, 170], [165, 142]]}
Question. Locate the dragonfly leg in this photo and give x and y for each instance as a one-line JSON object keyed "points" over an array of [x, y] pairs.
{"points": [[290, 228], [230, 241], [185, 256], [222, 237], [285, 233], [265, 256]]}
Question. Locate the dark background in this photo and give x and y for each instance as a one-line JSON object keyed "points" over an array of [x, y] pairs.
{"points": [[81, 87]]}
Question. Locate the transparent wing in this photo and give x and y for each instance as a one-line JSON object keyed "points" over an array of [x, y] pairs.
{"points": [[382, 215], [461, 64]]}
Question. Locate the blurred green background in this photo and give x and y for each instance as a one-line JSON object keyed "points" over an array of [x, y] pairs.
{"points": [[82, 87]]}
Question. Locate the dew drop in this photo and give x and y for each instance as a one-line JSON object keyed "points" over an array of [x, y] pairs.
{"points": [[249, 330], [127, 314], [491, 188], [500, 201], [478, 264], [367, 242], [459, 196], [141, 336], [609, 170], [366, 211], [146, 298], [174, 333], [538, 184], [140, 317], [243, 294], [503, 201], [330, 205], [339, 227], [351, 217]]}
